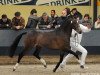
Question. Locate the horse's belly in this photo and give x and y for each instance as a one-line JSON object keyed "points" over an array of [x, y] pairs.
{"points": [[53, 42], [61, 44]]}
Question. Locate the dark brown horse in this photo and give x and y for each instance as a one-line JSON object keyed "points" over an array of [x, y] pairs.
{"points": [[58, 39]]}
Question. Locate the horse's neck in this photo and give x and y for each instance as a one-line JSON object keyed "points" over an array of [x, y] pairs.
{"points": [[60, 31]]}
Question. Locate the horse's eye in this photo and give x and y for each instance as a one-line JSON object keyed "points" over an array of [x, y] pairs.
{"points": [[71, 21]]}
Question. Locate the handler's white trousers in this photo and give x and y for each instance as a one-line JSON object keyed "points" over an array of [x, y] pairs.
{"points": [[75, 48]]}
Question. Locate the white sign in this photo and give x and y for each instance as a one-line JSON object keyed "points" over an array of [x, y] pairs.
{"points": [[60, 2]]}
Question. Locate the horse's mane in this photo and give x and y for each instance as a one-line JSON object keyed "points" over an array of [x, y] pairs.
{"points": [[66, 23]]}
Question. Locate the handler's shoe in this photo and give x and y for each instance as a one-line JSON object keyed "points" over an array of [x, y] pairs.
{"points": [[83, 67], [62, 67]]}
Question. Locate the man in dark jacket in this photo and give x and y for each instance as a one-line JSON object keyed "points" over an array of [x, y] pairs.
{"points": [[44, 21], [18, 22], [5, 22], [54, 18], [32, 20]]}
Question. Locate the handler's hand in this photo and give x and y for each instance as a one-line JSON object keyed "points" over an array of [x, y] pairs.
{"points": [[48, 26]]}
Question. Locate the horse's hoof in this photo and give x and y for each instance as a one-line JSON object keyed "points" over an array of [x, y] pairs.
{"points": [[14, 69], [83, 67], [45, 66], [11, 56], [54, 70]]}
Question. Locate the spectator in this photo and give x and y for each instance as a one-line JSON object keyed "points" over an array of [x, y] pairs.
{"points": [[68, 11], [97, 23], [18, 22], [76, 13], [44, 21], [86, 20], [54, 18], [5, 22], [33, 19]]}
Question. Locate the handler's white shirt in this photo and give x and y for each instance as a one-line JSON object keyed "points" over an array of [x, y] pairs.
{"points": [[78, 38]]}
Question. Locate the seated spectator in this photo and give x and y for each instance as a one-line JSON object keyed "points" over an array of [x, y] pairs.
{"points": [[76, 13], [5, 22], [32, 19], [86, 20], [97, 23], [44, 21], [54, 18], [18, 22]]}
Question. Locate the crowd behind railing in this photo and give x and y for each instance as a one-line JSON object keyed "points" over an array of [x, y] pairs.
{"points": [[45, 21]]}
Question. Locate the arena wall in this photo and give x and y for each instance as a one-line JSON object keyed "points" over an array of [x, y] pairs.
{"points": [[91, 41]]}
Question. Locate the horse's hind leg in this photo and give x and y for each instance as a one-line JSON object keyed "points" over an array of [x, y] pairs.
{"points": [[36, 54], [60, 61]]}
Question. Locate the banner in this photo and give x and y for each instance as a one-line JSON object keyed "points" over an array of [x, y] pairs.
{"points": [[63, 2], [45, 2]]}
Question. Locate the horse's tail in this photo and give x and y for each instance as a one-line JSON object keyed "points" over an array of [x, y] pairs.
{"points": [[15, 43], [72, 52]]}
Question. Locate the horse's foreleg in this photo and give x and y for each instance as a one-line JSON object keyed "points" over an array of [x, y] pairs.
{"points": [[36, 54], [60, 61], [19, 59]]}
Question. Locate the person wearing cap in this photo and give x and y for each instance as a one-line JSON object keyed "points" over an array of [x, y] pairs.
{"points": [[32, 19], [44, 21], [68, 12], [5, 22], [76, 13], [97, 23], [18, 22]]}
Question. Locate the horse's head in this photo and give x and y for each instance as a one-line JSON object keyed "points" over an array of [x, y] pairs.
{"points": [[75, 26], [72, 23]]}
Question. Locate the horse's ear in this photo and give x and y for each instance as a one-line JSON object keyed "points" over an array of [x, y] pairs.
{"points": [[71, 22], [77, 21], [74, 20]]}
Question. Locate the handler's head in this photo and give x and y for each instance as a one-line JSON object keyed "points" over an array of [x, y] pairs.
{"points": [[64, 13]]}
